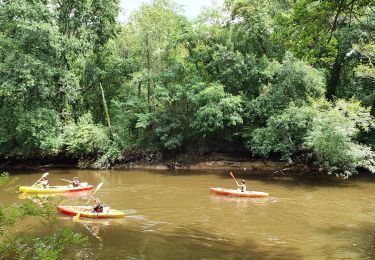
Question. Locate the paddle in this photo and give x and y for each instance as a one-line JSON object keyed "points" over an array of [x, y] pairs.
{"points": [[231, 174], [64, 180], [76, 217], [44, 175], [97, 188]]}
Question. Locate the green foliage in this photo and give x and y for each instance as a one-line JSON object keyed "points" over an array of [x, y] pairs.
{"points": [[75, 82], [6, 181], [332, 138], [51, 247], [40, 130], [327, 132], [309, 29], [285, 133], [366, 70], [293, 81], [85, 137], [217, 110], [14, 244]]}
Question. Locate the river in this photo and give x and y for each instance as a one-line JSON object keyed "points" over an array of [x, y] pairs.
{"points": [[172, 215]]}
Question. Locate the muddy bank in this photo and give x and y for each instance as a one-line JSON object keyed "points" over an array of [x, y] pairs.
{"points": [[156, 161], [214, 161], [246, 166]]}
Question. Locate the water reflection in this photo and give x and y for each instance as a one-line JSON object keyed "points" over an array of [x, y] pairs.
{"points": [[94, 226], [72, 195], [240, 202]]}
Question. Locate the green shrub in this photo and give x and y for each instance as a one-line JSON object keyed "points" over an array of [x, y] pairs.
{"points": [[40, 130], [85, 137], [332, 138], [284, 133]]}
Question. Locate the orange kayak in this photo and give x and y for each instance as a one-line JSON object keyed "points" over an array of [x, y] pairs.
{"points": [[238, 193]]}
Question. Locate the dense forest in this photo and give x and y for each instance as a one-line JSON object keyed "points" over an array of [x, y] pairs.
{"points": [[287, 79]]}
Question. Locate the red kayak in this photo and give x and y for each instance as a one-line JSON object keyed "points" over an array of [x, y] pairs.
{"points": [[238, 193]]}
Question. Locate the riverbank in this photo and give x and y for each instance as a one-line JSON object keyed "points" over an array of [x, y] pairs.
{"points": [[214, 161]]}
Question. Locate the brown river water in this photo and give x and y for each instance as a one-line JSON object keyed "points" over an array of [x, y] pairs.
{"points": [[172, 215]]}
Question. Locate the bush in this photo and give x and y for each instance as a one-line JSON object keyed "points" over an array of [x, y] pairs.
{"points": [[40, 130], [216, 110], [85, 137], [332, 138], [327, 131], [284, 133], [293, 81]]}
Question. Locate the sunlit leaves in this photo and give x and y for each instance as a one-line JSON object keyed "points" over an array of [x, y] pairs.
{"points": [[217, 110], [367, 69], [332, 138], [284, 132], [85, 137], [293, 81]]}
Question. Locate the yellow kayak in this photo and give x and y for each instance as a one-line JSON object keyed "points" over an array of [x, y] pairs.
{"points": [[86, 211], [54, 189]]}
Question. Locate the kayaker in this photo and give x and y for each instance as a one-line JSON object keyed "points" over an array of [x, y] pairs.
{"points": [[44, 182], [97, 207], [242, 185], [76, 182]]}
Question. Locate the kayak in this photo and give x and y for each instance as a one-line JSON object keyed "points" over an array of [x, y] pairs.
{"points": [[54, 189], [238, 193], [86, 211]]}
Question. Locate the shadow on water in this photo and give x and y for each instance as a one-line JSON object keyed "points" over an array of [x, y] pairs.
{"points": [[183, 243], [361, 242], [290, 179], [314, 180]]}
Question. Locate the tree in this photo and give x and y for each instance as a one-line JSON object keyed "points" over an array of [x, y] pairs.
{"points": [[292, 81], [332, 138]]}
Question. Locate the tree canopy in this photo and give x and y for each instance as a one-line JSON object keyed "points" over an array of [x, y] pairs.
{"points": [[269, 78]]}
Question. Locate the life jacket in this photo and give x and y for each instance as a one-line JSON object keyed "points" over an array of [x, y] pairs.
{"points": [[75, 183], [98, 208], [45, 183]]}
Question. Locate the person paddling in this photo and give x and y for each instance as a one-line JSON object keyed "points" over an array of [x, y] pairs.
{"points": [[44, 182], [98, 207], [242, 186], [76, 182]]}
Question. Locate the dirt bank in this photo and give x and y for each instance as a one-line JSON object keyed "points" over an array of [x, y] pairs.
{"points": [[213, 162], [155, 161]]}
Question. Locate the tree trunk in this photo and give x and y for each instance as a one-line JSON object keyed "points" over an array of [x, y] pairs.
{"points": [[372, 111], [149, 82], [106, 113], [334, 79]]}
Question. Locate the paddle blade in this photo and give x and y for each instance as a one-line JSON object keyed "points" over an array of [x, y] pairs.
{"points": [[76, 217], [44, 175], [99, 186]]}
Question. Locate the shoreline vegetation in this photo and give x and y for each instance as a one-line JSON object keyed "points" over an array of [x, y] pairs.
{"points": [[154, 161], [289, 81]]}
